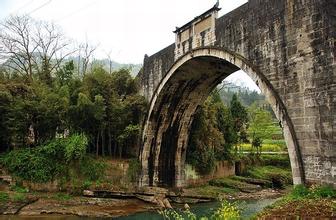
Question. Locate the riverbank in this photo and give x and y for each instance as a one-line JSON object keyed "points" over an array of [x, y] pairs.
{"points": [[114, 195], [292, 203], [39, 204], [306, 209], [35, 204], [317, 202]]}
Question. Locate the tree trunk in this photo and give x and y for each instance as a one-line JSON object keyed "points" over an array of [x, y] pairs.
{"points": [[103, 142], [120, 150], [109, 141], [97, 146], [115, 149]]}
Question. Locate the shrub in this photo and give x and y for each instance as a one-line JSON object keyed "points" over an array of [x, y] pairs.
{"points": [[325, 191], [86, 184], [299, 191], [275, 160], [30, 164], [226, 211], [19, 189], [278, 176], [19, 197], [4, 197], [205, 161], [91, 168], [75, 147], [62, 196], [57, 158]]}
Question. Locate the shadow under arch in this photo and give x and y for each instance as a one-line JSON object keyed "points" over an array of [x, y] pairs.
{"points": [[185, 86]]}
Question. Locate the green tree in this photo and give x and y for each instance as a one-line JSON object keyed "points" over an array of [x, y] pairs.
{"points": [[65, 74], [240, 119], [262, 126], [211, 135]]}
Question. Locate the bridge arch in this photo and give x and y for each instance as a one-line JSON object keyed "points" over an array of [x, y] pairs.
{"points": [[185, 86]]}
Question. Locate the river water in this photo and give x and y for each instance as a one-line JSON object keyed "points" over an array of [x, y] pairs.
{"points": [[249, 208]]}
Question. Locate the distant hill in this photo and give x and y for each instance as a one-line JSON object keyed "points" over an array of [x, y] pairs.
{"points": [[135, 68], [246, 95]]}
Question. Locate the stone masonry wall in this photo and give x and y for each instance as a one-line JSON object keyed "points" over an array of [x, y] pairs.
{"points": [[293, 44]]}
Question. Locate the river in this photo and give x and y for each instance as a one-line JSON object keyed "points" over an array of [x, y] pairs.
{"points": [[249, 208]]}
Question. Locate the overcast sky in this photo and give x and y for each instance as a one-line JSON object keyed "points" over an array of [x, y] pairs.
{"points": [[127, 29]]}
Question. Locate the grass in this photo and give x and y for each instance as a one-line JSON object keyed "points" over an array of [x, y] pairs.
{"points": [[16, 197], [302, 202], [314, 192], [280, 177], [19, 189], [4, 197], [275, 160], [231, 182], [62, 197], [227, 210], [267, 146], [280, 142], [19, 197], [213, 191]]}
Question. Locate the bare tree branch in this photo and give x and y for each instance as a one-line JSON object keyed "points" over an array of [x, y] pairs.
{"points": [[32, 46], [87, 55]]}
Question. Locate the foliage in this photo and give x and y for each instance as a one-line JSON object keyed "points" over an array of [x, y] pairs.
{"points": [[322, 191], [109, 114], [240, 118], [245, 95], [226, 211], [267, 146], [62, 196], [75, 147], [262, 126], [275, 160], [4, 197], [314, 192], [19, 197], [278, 176], [211, 136], [29, 164], [302, 199], [45, 162], [91, 168], [213, 191], [233, 183], [19, 189], [299, 191]]}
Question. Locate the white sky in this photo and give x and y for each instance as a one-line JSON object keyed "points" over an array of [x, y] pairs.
{"points": [[127, 29]]}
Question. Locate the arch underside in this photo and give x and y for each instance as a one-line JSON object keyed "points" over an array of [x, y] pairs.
{"points": [[185, 87]]}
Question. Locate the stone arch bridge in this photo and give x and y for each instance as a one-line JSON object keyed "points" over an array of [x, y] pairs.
{"points": [[286, 46]]}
